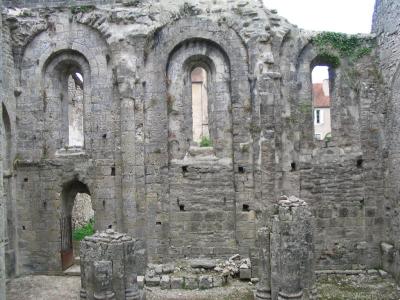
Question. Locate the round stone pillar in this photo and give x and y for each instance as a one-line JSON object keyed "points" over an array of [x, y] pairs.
{"points": [[264, 285]]}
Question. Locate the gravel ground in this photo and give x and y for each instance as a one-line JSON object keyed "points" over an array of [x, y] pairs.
{"points": [[41, 287], [357, 287], [332, 287]]}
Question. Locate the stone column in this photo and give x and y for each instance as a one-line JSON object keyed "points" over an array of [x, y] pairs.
{"points": [[103, 280], [108, 268], [3, 217], [125, 75], [292, 250], [264, 285]]}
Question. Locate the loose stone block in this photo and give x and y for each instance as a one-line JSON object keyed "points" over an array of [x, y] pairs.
{"points": [[177, 282], [191, 282], [165, 282], [205, 282], [140, 281], [218, 280], [168, 268], [152, 281], [203, 263], [245, 274]]}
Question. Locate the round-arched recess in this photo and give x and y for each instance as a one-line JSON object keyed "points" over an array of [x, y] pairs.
{"points": [[208, 56], [66, 86]]}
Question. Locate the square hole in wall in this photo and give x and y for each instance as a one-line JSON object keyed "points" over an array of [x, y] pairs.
{"points": [[241, 169], [246, 208], [360, 163], [182, 207]]}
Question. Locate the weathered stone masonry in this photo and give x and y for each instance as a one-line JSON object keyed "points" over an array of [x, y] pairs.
{"points": [[139, 164]]}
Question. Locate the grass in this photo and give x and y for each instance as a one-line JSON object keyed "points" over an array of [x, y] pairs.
{"points": [[205, 142], [81, 232]]}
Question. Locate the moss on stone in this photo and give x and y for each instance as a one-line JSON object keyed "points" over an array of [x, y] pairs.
{"points": [[332, 46]]}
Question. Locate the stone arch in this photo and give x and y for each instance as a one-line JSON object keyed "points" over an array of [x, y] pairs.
{"points": [[69, 192], [92, 53], [169, 39], [189, 55], [58, 71], [177, 48], [307, 60]]}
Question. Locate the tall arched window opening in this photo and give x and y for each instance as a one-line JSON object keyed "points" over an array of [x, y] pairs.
{"points": [[66, 92], [200, 106], [321, 103], [74, 109]]}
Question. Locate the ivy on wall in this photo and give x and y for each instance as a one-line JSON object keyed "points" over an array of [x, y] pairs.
{"points": [[332, 46]]}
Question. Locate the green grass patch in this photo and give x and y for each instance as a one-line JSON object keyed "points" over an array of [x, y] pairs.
{"points": [[205, 142], [81, 232]]}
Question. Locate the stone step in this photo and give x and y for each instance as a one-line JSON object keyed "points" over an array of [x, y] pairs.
{"points": [[74, 270]]}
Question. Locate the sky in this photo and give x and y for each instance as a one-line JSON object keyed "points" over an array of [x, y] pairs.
{"points": [[349, 16]]}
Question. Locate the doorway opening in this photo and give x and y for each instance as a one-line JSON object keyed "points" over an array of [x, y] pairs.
{"points": [[77, 221]]}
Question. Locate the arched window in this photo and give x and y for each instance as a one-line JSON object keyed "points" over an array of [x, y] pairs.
{"points": [[66, 90], [321, 103], [75, 110], [200, 106]]}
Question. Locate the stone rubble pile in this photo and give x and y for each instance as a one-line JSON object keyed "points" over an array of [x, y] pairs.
{"points": [[291, 201], [197, 273]]}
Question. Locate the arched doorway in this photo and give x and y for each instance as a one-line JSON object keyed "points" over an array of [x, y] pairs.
{"points": [[76, 210]]}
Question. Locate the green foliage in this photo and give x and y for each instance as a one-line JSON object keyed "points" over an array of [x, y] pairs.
{"points": [[82, 9], [328, 137], [205, 142], [329, 58], [332, 45], [81, 232], [305, 107]]}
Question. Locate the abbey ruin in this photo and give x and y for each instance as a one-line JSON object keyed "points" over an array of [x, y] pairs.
{"points": [[190, 124]]}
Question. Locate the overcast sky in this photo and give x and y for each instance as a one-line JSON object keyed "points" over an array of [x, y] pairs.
{"points": [[350, 16]]}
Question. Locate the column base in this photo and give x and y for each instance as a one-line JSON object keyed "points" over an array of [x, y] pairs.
{"points": [[83, 294], [104, 296], [263, 294], [291, 296]]}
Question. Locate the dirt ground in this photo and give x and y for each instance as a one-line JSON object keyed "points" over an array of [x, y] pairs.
{"points": [[41, 287], [332, 287]]}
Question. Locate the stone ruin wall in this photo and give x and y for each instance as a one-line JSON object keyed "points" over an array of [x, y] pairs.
{"points": [[386, 26], [142, 173]]}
